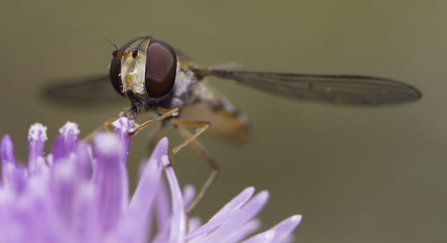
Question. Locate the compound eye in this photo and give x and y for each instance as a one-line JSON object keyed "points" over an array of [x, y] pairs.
{"points": [[115, 68], [115, 77], [161, 68]]}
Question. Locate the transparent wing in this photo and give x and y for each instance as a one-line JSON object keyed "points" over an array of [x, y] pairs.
{"points": [[80, 92], [334, 89]]}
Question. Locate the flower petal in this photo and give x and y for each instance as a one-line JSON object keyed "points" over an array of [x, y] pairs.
{"points": [[58, 150], [194, 223], [223, 215], [238, 219], [16, 177], [37, 136], [111, 179], [189, 193], [69, 132], [7, 156], [86, 220], [7, 150], [235, 204], [36, 212], [64, 187], [144, 194], [278, 233], [162, 213], [122, 126], [67, 142], [244, 231], [178, 211], [84, 160], [41, 166]]}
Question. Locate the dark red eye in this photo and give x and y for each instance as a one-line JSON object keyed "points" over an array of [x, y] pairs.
{"points": [[115, 68], [161, 67]]}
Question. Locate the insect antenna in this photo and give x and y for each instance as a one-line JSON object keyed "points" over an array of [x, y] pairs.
{"points": [[111, 43], [116, 53]]}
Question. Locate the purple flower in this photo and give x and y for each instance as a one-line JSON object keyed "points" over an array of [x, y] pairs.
{"points": [[79, 193]]}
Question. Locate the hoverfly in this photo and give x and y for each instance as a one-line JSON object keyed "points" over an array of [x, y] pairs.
{"points": [[156, 78]]}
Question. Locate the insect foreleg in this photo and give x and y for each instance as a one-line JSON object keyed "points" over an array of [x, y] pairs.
{"points": [[105, 126], [165, 113], [200, 149]]}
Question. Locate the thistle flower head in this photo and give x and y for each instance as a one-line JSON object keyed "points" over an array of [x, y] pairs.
{"points": [[79, 193]]}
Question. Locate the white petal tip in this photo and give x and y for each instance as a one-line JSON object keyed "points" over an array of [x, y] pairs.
{"points": [[37, 132], [263, 195], [163, 142], [69, 126], [123, 123], [296, 218]]}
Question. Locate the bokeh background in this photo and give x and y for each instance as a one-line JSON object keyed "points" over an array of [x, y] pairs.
{"points": [[356, 175]]}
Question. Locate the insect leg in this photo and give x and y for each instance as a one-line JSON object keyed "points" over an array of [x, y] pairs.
{"points": [[165, 113], [200, 149], [105, 126]]}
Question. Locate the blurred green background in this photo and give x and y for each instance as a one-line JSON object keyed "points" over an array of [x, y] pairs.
{"points": [[356, 175]]}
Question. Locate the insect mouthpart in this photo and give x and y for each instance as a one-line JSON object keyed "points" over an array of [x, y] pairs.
{"points": [[134, 100], [136, 105]]}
